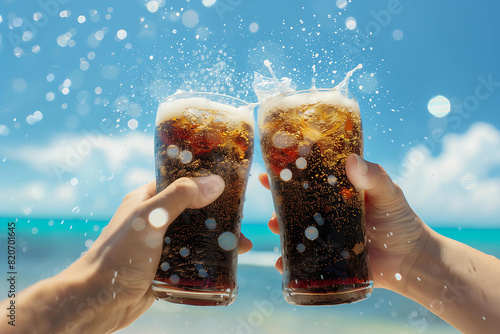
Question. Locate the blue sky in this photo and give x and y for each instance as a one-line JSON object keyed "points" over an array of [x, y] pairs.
{"points": [[80, 83]]}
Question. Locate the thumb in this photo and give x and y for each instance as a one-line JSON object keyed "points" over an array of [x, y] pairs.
{"points": [[380, 190], [184, 193]]}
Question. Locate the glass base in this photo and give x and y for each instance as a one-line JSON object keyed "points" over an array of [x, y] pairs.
{"points": [[343, 296], [194, 296]]}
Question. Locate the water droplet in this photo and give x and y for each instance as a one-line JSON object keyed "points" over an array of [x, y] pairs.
{"points": [[152, 6], [398, 276], [208, 3], [76, 209], [154, 239], [418, 279], [27, 35], [96, 228], [210, 223], [332, 180], [174, 279], [167, 240], [345, 254], [172, 151], [385, 245], [254, 27], [301, 163], [286, 174], [165, 266], [138, 224], [158, 217], [304, 149], [190, 18], [73, 181], [318, 219], [397, 35], [34, 230], [311, 233], [306, 185], [133, 124], [81, 19], [184, 252], [350, 23], [301, 248], [186, 157], [51, 222], [341, 3], [121, 34], [19, 85], [227, 241], [439, 106], [88, 243]]}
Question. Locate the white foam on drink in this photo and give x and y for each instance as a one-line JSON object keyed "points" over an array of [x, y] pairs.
{"points": [[227, 113], [274, 94], [297, 100]]}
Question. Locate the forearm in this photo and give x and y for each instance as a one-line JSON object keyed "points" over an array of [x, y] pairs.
{"points": [[66, 303], [457, 283]]}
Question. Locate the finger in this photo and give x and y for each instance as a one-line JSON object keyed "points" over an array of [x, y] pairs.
{"points": [[279, 265], [141, 194], [264, 180], [245, 244], [378, 186], [148, 190], [273, 224], [163, 208]]}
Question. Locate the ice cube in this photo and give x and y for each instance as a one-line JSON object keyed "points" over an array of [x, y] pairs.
{"points": [[283, 140]]}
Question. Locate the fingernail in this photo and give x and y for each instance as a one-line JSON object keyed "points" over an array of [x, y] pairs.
{"points": [[362, 165], [212, 185]]}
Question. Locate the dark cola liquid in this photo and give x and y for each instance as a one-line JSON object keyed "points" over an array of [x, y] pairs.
{"points": [[200, 248], [321, 214]]}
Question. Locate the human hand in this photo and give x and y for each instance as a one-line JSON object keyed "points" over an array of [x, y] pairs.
{"points": [[122, 262], [396, 235]]}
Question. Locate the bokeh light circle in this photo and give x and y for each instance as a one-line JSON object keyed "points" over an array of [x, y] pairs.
{"points": [[350, 23], [439, 106]]}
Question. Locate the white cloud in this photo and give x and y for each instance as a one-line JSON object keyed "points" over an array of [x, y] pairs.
{"points": [[38, 181], [136, 177], [71, 152], [39, 198], [460, 186]]}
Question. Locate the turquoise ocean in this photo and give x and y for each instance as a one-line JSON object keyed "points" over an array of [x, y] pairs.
{"points": [[47, 246]]}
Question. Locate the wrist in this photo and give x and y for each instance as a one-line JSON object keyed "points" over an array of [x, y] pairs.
{"points": [[423, 271], [91, 302]]}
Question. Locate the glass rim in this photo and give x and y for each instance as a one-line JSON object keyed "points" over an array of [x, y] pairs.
{"points": [[182, 94]]}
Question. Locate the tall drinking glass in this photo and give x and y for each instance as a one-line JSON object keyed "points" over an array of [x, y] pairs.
{"points": [[306, 137], [199, 134]]}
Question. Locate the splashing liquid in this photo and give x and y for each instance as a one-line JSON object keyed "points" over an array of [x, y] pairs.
{"points": [[266, 88], [344, 85], [313, 80], [267, 64]]}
